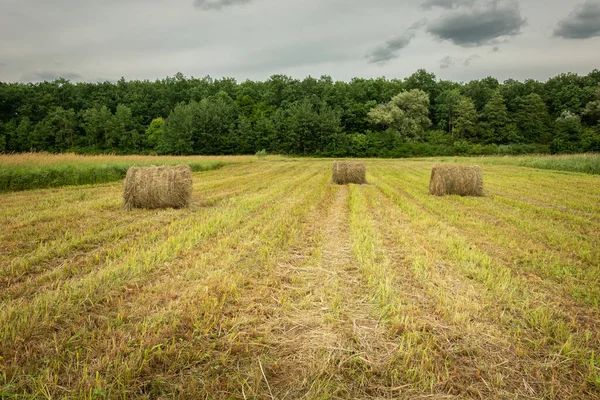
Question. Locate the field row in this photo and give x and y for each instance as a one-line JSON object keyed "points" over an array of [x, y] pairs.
{"points": [[277, 284]]}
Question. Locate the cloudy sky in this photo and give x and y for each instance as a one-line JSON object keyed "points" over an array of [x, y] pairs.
{"points": [[84, 40]]}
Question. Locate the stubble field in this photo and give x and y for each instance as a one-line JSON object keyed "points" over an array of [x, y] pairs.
{"points": [[277, 284]]}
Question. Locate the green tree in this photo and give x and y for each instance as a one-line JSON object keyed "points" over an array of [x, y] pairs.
{"points": [[532, 119], [2, 138], [466, 117], [423, 80], [97, 125], [481, 91], [568, 131], [407, 113], [10, 135], [56, 132], [154, 133], [590, 140], [494, 116], [265, 132], [23, 134], [445, 108], [245, 136], [123, 130], [591, 113], [178, 134], [309, 128], [214, 122]]}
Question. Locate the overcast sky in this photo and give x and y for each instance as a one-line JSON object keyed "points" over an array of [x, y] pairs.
{"points": [[461, 40]]}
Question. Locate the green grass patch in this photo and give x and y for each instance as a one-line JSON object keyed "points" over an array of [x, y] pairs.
{"points": [[583, 163], [21, 177]]}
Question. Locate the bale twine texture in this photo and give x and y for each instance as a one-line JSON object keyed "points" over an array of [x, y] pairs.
{"points": [[158, 187], [345, 172], [463, 180]]}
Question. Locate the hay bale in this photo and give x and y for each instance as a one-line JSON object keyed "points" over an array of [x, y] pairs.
{"points": [[158, 187], [463, 180], [345, 172]]}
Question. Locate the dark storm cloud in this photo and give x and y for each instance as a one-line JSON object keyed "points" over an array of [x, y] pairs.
{"points": [[40, 76], [582, 23], [389, 50], [218, 4], [447, 4], [479, 26]]}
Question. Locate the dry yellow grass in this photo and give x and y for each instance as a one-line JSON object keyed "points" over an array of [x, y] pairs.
{"points": [[41, 159], [276, 284]]}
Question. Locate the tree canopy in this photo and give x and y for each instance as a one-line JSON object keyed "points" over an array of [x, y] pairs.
{"points": [[419, 115]]}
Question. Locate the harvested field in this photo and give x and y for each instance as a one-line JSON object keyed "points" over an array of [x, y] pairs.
{"points": [[275, 283]]}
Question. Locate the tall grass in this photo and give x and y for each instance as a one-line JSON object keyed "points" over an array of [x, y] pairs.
{"points": [[584, 163], [17, 177]]}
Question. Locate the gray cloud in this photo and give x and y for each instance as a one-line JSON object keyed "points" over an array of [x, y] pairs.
{"points": [[582, 23], [496, 49], [104, 40], [218, 4], [389, 50], [447, 4], [41, 76], [448, 61], [479, 26]]}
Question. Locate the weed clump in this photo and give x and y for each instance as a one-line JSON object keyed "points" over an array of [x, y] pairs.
{"points": [[345, 172], [158, 187], [463, 180]]}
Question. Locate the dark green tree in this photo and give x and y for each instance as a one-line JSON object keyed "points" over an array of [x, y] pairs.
{"points": [[56, 132], [23, 135], [97, 124], [466, 118], [178, 134], [445, 110], [533, 120], [123, 130], [568, 131], [2, 138], [494, 117]]}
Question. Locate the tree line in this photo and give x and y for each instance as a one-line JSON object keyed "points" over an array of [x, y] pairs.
{"points": [[419, 115]]}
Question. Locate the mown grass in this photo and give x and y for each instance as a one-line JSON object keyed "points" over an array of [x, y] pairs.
{"points": [[584, 163], [277, 284]]}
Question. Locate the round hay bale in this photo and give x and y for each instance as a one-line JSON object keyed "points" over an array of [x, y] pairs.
{"points": [[158, 187], [345, 172], [463, 180]]}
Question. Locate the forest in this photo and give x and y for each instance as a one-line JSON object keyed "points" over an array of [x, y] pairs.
{"points": [[416, 116]]}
